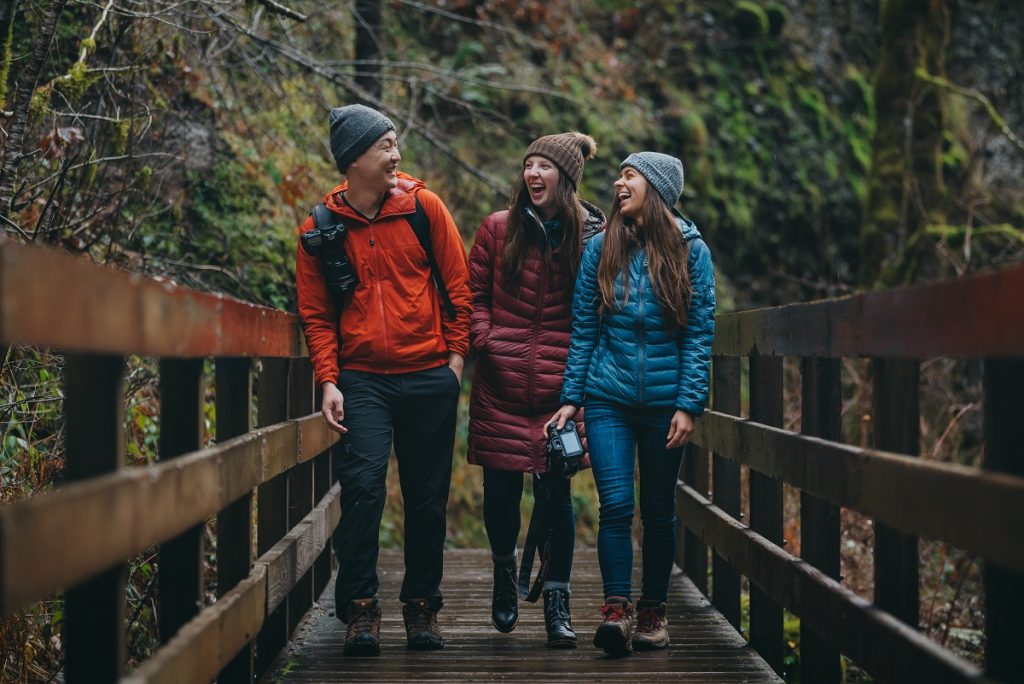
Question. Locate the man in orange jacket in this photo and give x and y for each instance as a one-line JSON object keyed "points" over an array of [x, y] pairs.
{"points": [[389, 363]]}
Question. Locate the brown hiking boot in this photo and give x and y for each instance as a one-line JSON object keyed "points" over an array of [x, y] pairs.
{"points": [[363, 636], [616, 632], [651, 626], [421, 629]]}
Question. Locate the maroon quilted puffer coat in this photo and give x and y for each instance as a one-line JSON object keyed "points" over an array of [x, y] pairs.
{"points": [[521, 335]]}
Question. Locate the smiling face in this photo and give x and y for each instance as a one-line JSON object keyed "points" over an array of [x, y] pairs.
{"points": [[630, 191], [376, 167], [541, 178]]}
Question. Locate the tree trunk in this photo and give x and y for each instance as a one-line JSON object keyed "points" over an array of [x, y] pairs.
{"points": [[905, 181], [368, 49], [8, 10], [22, 97]]}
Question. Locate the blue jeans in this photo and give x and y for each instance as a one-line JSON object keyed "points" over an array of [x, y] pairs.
{"points": [[619, 437]]}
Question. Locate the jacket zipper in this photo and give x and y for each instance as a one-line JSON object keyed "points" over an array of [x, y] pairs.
{"points": [[641, 295], [380, 294]]}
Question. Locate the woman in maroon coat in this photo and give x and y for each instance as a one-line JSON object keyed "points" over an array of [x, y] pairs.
{"points": [[522, 270]]}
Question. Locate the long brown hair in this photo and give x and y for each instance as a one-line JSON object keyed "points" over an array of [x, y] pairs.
{"points": [[522, 231], [667, 257]]}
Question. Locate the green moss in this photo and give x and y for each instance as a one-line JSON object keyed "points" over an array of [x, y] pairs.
{"points": [[120, 132], [777, 15], [5, 60], [74, 83], [750, 20], [695, 131]]}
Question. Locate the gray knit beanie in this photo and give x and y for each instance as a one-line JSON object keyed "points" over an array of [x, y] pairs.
{"points": [[663, 171], [353, 129]]}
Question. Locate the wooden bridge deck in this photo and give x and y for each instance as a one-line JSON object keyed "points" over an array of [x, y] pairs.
{"points": [[705, 648]]}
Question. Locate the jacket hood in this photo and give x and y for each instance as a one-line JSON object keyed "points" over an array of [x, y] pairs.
{"points": [[404, 192], [688, 227], [594, 222]]}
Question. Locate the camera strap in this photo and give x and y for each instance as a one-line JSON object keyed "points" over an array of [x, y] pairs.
{"points": [[538, 542]]}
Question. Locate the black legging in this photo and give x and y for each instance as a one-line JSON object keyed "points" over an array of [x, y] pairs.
{"points": [[503, 490]]}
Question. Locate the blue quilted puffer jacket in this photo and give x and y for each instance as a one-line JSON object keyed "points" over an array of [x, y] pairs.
{"points": [[627, 356]]}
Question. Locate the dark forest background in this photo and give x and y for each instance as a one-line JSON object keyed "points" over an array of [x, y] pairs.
{"points": [[830, 146]]}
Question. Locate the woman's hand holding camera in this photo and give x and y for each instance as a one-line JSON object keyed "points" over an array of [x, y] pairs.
{"points": [[563, 415]]}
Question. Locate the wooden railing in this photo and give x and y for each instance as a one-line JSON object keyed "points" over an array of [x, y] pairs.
{"points": [[77, 538], [978, 510]]}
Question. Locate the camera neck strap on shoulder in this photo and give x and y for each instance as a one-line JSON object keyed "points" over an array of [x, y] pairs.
{"points": [[420, 224]]}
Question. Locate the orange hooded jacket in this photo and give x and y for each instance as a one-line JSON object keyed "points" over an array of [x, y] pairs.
{"points": [[392, 322]]}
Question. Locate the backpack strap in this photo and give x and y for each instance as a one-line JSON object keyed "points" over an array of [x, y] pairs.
{"points": [[322, 216], [420, 224]]}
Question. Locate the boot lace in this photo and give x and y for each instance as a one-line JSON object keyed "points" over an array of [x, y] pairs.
{"points": [[558, 608], [648, 620], [360, 620], [506, 589], [421, 619], [613, 612]]}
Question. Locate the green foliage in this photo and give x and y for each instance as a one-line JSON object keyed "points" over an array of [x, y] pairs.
{"points": [[751, 20]]}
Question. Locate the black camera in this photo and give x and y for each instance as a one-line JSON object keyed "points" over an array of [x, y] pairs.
{"points": [[565, 449], [328, 245]]}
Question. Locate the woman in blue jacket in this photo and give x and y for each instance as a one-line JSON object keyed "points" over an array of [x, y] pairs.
{"points": [[643, 321]]}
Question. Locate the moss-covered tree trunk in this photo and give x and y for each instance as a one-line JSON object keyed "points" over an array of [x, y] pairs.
{"points": [[905, 188], [22, 98]]}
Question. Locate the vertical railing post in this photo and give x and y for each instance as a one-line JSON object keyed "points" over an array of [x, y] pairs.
{"points": [[766, 506], [323, 480], [692, 551], [233, 379], [300, 482], [94, 638], [895, 420], [821, 413], [272, 503], [1004, 589], [726, 486], [180, 562]]}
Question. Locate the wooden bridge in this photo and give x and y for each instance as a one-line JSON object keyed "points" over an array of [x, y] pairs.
{"points": [[275, 504]]}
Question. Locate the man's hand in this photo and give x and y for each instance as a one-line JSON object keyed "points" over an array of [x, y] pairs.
{"points": [[563, 416], [456, 363], [680, 429], [333, 407]]}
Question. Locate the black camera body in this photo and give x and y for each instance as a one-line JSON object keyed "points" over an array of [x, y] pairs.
{"points": [[327, 243], [565, 449]]}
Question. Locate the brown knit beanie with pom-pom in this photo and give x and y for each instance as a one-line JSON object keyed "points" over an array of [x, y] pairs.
{"points": [[567, 150]]}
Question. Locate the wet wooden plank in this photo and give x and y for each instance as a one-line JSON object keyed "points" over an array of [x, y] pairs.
{"points": [[83, 306], [982, 315], [705, 648]]}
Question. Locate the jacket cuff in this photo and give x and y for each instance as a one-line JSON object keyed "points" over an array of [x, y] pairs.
{"points": [[694, 410]]}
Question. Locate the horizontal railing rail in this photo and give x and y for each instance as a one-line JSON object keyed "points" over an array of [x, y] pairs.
{"points": [[978, 510], [76, 539]]}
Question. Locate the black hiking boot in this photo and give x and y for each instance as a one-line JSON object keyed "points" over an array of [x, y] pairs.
{"points": [[557, 620]]}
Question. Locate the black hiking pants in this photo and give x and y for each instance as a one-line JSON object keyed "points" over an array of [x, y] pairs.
{"points": [[416, 412]]}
